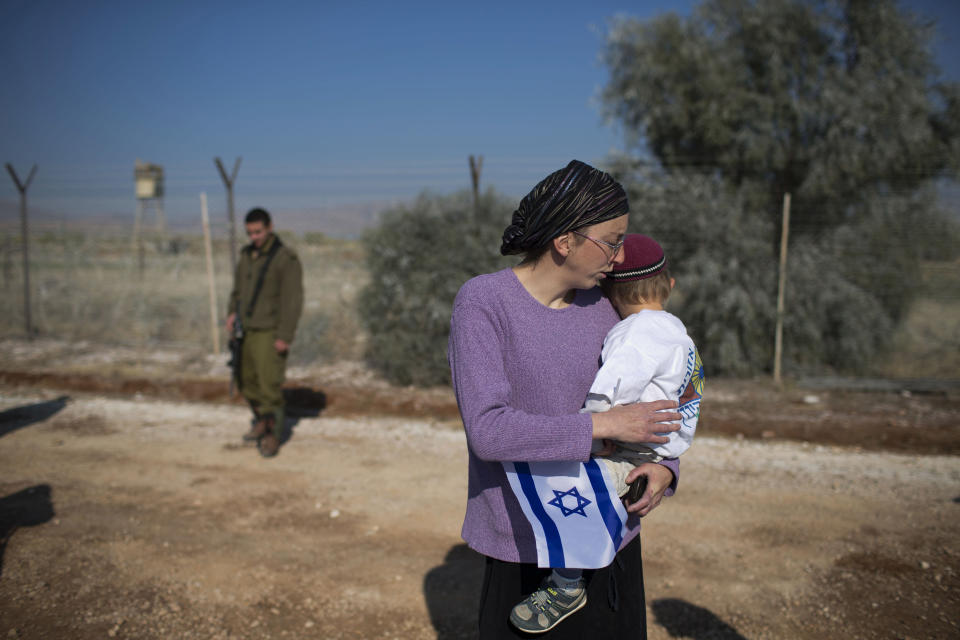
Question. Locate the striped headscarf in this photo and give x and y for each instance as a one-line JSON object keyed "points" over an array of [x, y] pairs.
{"points": [[573, 197]]}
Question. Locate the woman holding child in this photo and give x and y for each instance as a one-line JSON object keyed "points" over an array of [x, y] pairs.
{"points": [[524, 348]]}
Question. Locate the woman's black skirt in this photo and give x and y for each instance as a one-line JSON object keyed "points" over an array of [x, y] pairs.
{"points": [[615, 601]]}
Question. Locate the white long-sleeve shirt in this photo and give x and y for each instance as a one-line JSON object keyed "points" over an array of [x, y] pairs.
{"points": [[648, 356]]}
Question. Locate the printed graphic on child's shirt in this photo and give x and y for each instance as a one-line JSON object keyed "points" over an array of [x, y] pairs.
{"points": [[692, 389]]}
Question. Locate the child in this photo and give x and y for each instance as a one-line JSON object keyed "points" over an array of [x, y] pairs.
{"points": [[646, 356]]}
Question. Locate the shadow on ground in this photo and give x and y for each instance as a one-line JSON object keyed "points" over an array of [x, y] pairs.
{"points": [[304, 402], [26, 508], [301, 402], [684, 620], [28, 414], [452, 593]]}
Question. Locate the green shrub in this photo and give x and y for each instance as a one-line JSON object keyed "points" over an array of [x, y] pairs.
{"points": [[831, 322], [418, 258], [720, 256], [727, 272]]}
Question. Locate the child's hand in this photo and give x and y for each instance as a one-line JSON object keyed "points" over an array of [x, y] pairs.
{"points": [[609, 448], [659, 478]]}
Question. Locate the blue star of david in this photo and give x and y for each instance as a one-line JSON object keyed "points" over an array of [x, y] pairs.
{"points": [[564, 509]]}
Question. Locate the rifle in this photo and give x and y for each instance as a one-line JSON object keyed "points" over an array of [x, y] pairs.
{"points": [[236, 353], [236, 340]]}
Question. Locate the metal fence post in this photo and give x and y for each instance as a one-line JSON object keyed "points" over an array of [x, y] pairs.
{"points": [[476, 165], [24, 230], [228, 181]]}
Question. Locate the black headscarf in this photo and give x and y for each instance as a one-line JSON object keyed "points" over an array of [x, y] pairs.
{"points": [[573, 197]]}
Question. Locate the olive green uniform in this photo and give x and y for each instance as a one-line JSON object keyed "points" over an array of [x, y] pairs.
{"points": [[273, 317]]}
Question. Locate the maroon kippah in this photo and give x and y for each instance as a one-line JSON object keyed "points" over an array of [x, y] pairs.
{"points": [[642, 258]]}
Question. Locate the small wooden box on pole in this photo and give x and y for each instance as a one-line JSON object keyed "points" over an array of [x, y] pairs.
{"points": [[781, 289], [148, 188]]}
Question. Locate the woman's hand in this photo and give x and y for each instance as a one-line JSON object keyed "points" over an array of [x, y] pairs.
{"points": [[658, 479], [639, 422]]}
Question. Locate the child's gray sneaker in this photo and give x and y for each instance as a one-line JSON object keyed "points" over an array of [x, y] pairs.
{"points": [[543, 609]]}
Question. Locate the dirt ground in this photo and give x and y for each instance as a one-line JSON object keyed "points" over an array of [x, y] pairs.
{"points": [[129, 509]]}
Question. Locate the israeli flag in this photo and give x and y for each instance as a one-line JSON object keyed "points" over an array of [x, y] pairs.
{"points": [[576, 516]]}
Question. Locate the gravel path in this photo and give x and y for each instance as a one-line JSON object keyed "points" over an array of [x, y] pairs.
{"points": [[142, 518]]}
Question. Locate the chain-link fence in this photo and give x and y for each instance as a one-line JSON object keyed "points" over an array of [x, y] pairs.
{"points": [[87, 285]]}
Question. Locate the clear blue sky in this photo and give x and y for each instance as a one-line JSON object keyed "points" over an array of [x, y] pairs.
{"points": [[328, 103]]}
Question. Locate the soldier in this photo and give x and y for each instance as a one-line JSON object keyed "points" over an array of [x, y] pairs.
{"points": [[264, 308]]}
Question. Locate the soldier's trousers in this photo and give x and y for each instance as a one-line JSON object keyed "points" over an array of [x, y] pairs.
{"points": [[262, 373]]}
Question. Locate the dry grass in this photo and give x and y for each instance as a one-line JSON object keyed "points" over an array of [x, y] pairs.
{"points": [[90, 288]]}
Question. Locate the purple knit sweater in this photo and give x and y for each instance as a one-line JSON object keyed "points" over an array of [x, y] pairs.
{"points": [[521, 372]]}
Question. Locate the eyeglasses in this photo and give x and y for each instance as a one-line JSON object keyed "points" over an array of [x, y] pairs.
{"points": [[600, 243]]}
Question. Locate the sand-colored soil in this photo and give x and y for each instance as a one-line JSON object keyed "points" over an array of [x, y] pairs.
{"points": [[136, 513]]}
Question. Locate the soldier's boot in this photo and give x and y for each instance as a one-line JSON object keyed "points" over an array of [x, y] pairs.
{"points": [[258, 429], [269, 444]]}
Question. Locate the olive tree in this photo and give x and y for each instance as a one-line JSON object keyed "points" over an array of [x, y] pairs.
{"points": [[829, 101], [419, 256], [837, 103]]}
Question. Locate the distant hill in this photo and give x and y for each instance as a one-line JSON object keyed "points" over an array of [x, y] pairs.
{"points": [[41, 218], [338, 221], [347, 220]]}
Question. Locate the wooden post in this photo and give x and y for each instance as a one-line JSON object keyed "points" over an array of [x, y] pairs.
{"points": [[476, 165], [7, 260], [24, 232], [778, 340], [208, 248], [138, 238], [228, 181], [162, 225]]}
